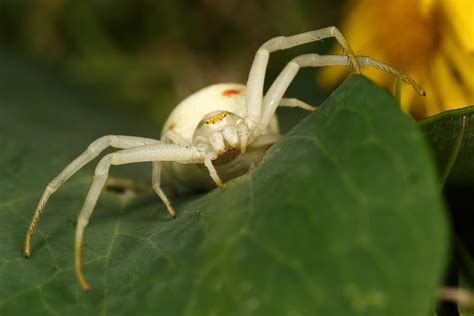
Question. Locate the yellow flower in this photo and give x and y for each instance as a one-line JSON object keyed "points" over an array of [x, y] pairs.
{"points": [[431, 40]]}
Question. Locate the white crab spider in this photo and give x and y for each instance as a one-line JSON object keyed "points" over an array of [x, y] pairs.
{"points": [[225, 127]]}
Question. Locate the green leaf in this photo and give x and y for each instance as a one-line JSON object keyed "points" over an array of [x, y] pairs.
{"points": [[445, 132], [451, 136], [442, 132], [343, 217]]}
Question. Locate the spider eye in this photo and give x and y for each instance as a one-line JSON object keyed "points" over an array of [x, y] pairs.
{"points": [[215, 117]]}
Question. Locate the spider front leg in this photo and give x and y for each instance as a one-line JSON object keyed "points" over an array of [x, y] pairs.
{"points": [[276, 91], [94, 149], [156, 182], [259, 66], [150, 153]]}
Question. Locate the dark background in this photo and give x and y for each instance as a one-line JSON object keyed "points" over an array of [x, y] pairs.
{"points": [[148, 55]]}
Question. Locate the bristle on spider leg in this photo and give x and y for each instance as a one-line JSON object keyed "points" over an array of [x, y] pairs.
{"points": [[408, 80], [402, 75]]}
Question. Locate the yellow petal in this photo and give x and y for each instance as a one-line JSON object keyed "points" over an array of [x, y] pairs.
{"points": [[451, 94], [382, 78], [427, 7], [460, 14], [330, 76], [462, 62], [408, 94], [431, 102]]}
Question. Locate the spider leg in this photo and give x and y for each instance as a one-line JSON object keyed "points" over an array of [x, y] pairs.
{"points": [[370, 62], [149, 153], [212, 172], [175, 138], [94, 149], [156, 182], [276, 91], [257, 71], [265, 140], [295, 103]]}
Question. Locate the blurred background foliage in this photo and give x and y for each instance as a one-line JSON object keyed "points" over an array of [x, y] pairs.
{"points": [[148, 55]]}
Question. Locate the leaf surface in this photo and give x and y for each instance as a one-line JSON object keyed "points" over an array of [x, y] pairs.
{"points": [[442, 132]]}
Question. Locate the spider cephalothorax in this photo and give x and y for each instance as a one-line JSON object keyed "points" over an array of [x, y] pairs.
{"points": [[223, 129]]}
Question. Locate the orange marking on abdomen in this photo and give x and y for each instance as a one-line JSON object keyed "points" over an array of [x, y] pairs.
{"points": [[229, 92], [171, 127]]}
